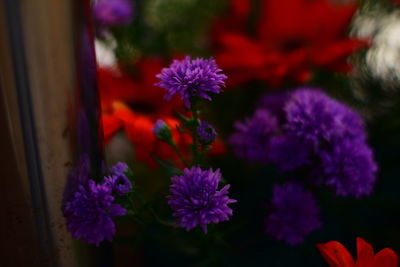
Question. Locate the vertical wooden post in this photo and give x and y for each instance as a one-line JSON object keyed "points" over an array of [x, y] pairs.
{"points": [[48, 80]]}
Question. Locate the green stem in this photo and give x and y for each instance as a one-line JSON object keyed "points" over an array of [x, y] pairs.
{"points": [[195, 145], [132, 205], [135, 216], [136, 219], [178, 152], [152, 211], [158, 219]]}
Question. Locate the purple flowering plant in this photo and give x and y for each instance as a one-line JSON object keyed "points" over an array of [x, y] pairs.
{"points": [[194, 195], [90, 206], [192, 80], [307, 134]]}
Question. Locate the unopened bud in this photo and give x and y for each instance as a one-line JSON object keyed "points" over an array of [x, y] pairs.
{"points": [[162, 131]]}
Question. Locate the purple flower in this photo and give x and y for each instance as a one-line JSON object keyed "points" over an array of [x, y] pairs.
{"points": [[295, 214], [196, 201], [191, 78], [113, 12], [119, 183], [251, 138], [349, 169], [117, 180], [119, 168], [206, 132], [316, 118], [89, 213]]}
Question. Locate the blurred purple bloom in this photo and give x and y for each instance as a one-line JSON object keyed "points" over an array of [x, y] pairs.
{"points": [[196, 201], [289, 152], [113, 12], [295, 214], [191, 78], [316, 118], [349, 169], [77, 176], [274, 103], [119, 168], [89, 213], [207, 133], [251, 138]]}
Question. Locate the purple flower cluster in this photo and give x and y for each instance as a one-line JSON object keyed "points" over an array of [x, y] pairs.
{"points": [[305, 131], [309, 131], [207, 133], [89, 207], [191, 78], [90, 211], [196, 201], [113, 12], [295, 213], [118, 181], [288, 152]]}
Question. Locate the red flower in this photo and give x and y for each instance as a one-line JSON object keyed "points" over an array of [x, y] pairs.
{"points": [[292, 37], [134, 104], [336, 255]]}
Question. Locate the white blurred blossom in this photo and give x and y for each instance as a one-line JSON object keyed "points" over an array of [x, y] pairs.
{"points": [[105, 53], [383, 57]]}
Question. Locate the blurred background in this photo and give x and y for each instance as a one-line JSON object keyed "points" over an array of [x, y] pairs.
{"points": [[352, 52], [350, 49]]}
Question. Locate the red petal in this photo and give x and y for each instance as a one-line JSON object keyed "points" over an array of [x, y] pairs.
{"points": [[218, 148], [114, 85], [241, 8], [335, 254], [233, 56], [337, 51], [111, 125], [386, 258], [365, 253], [139, 130]]}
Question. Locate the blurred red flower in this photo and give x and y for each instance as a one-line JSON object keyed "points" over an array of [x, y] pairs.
{"points": [[336, 255], [132, 103], [291, 38]]}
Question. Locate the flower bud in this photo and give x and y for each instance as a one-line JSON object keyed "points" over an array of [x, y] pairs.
{"points": [[162, 131]]}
